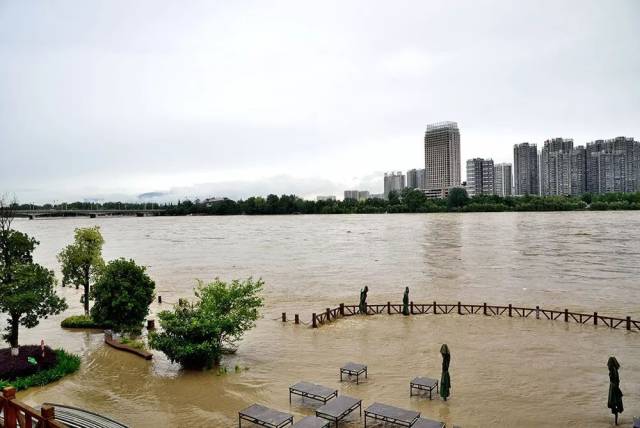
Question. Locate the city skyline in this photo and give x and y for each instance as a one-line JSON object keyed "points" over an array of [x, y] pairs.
{"points": [[287, 98]]}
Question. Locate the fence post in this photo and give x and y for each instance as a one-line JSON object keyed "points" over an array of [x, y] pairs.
{"points": [[411, 307], [388, 308], [509, 309], [628, 323], [595, 318], [297, 318], [566, 315], [341, 309], [484, 308], [328, 314], [537, 312], [435, 308], [284, 317], [48, 413], [313, 321], [159, 299], [10, 414], [459, 309]]}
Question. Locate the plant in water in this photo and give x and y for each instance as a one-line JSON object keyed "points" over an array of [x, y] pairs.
{"points": [[122, 296], [82, 261], [195, 334]]}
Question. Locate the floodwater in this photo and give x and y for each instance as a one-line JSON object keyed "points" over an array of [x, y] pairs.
{"points": [[505, 372]]}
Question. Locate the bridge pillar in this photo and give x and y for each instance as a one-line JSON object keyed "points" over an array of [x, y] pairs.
{"points": [[92, 216], [31, 217]]}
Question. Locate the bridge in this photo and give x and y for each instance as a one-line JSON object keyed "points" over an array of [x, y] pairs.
{"points": [[32, 214]]}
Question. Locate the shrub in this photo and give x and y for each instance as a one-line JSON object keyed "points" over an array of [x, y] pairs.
{"points": [[19, 366], [82, 321], [133, 343], [65, 364], [196, 334], [122, 296]]}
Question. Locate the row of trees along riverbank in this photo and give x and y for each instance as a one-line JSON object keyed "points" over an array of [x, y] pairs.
{"points": [[407, 201]]}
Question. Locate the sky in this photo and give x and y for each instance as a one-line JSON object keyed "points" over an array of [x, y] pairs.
{"points": [[162, 100]]}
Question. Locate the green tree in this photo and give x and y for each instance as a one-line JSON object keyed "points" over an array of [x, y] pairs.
{"points": [[82, 261], [122, 296], [195, 334], [457, 198], [27, 298]]}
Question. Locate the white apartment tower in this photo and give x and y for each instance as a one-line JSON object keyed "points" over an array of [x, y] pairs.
{"points": [[442, 155]]}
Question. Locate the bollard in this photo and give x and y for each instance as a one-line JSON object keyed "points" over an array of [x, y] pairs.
{"points": [[160, 299], [537, 312], [388, 308], [484, 308], [411, 307], [566, 315], [284, 317], [459, 309], [595, 318], [151, 324], [509, 309], [628, 323], [313, 321], [296, 318], [435, 308], [341, 309]]}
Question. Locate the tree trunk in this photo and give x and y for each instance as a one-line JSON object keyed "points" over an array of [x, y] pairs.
{"points": [[86, 291], [13, 338]]}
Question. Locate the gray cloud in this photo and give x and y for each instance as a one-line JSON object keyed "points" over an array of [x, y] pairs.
{"points": [[103, 99]]}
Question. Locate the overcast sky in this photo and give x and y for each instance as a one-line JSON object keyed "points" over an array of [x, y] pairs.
{"points": [[112, 99]]}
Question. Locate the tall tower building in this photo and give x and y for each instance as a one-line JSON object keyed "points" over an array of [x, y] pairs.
{"points": [[555, 167], [613, 165], [393, 181], [502, 179], [442, 155], [480, 177], [525, 169], [415, 178]]}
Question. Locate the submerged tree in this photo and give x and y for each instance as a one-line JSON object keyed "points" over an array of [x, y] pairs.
{"points": [[195, 334], [82, 261], [122, 296], [27, 290], [27, 298]]}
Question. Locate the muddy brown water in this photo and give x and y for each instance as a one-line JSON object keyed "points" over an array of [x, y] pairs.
{"points": [[505, 372]]}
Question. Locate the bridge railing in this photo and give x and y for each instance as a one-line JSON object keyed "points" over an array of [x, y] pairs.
{"points": [[320, 318], [16, 414]]}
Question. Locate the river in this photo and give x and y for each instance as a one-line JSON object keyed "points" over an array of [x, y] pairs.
{"points": [[505, 371]]}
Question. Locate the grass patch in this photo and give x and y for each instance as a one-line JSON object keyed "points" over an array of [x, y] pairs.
{"points": [[65, 364], [82, 321], [134, 343]]}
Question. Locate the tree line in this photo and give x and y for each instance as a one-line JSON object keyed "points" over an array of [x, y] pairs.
{"points": [[407, 201]]}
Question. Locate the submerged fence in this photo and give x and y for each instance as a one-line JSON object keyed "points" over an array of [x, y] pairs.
{"points": [[320, 318]]}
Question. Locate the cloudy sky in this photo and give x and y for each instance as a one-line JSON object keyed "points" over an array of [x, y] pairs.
{"points": [[112, 99]]}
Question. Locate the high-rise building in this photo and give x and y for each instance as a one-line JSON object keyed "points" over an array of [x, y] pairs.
{"points": [[578, 171], [502, 179], [555, 167], [442, 155], [326, 198], [393, 181], [351, 194], [363, 195], [613, 165], [415, 178], [525, 169], [480, 177]]}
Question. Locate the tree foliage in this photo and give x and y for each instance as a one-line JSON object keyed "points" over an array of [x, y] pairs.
{"points": [[82, 262], [29, 297], [457, 198], [195, 334], [122, 296]]}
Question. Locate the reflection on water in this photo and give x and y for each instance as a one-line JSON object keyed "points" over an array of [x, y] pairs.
{"points": [[506, 372]]}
